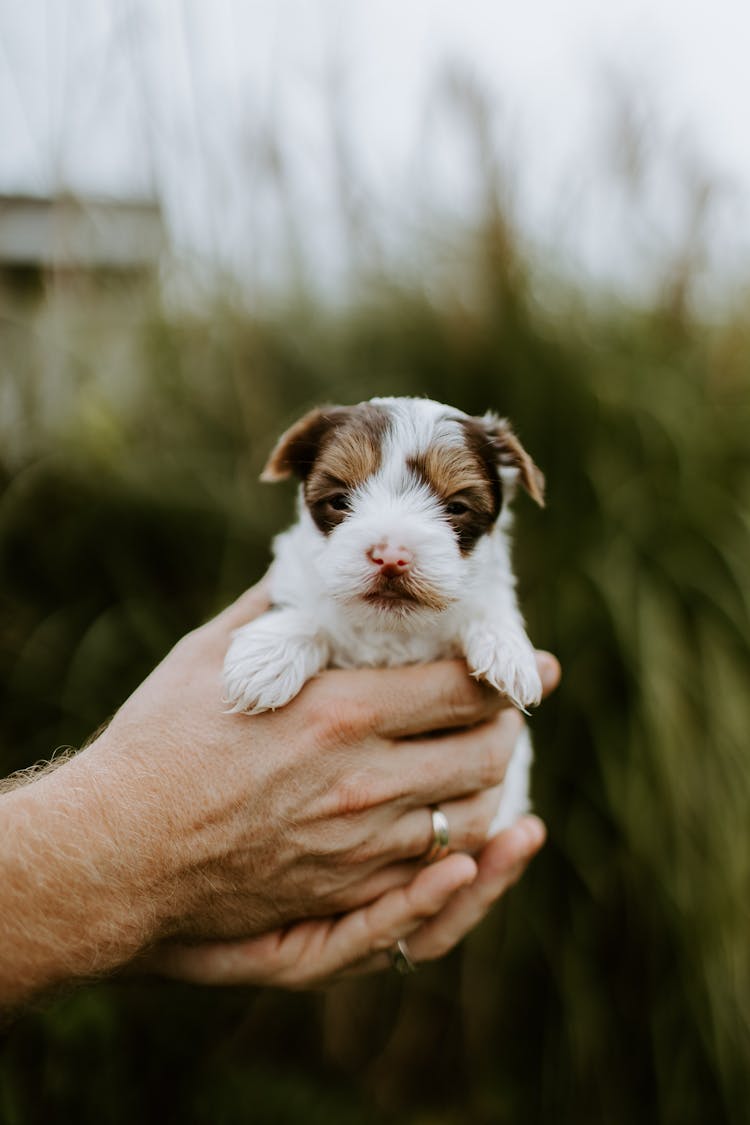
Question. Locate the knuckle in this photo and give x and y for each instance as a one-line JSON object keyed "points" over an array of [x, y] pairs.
{"points": [[341, 722], [462, 703], [317, 710], [381, 943], [419, 845], [363, 853], [328, 847], [491, 765], [474, 835], [468, 701], [354, 794]]}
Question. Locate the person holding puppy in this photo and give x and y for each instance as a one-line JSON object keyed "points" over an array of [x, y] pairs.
{"points": [[285, 849]]}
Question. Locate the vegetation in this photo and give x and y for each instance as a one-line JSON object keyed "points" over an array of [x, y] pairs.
{"points": [[614, 986]]}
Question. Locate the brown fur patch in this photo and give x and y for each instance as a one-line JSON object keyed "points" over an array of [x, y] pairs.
{"points": [[462, 478], [352, 451], [404, 596], [332, 450], [295, 452], [452, 469]]}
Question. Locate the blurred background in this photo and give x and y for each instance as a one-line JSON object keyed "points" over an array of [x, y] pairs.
{"points": [[215, 215]]}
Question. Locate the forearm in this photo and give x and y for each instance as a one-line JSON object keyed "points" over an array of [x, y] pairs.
{"points": [[73, 902]]}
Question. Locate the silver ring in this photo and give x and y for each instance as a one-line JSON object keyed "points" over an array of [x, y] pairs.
{"points": [[401, 958], [441, 836]]}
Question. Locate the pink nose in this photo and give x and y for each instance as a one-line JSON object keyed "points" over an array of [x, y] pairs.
{"points": [[390, 561]]}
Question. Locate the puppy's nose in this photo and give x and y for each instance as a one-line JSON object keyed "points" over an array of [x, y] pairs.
{"points": [[390, 561]]}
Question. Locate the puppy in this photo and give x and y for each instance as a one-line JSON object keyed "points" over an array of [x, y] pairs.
{"points": [[400, 555]]}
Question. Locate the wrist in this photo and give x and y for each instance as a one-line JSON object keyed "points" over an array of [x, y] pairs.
{"points": [[76, 901]]}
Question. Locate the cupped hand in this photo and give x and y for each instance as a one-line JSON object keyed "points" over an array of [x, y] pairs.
{"points": [[434, 912], [232, 826]]}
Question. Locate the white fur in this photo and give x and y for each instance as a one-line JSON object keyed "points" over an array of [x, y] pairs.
{"points": [[320, 620]]}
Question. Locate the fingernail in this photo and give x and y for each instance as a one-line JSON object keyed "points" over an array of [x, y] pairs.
{"points": [[549, 670]]}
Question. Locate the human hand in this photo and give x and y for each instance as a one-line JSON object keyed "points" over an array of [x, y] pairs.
{"points": [[230, 826], [184, 822], [435, 911]]}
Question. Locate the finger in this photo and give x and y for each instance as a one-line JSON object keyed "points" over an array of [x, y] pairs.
{"points": [[374, 883], [469, 820], [316, 950], [442, 696], [501, 864], [549, 670], [434, 770], [410, 700], [397, 914], [207, 963], [395, 854]]}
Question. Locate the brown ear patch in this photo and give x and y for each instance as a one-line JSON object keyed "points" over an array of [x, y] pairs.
{"points": [[509, 452], [332, 450], [347, 439], [295, 452]]}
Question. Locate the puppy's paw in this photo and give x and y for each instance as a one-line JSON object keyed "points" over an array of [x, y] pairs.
{"points": [[508, 664], [267, 664]]}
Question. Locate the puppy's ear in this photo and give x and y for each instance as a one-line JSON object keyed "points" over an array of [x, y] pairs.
{"points": [[511, 454], [297, 449]]}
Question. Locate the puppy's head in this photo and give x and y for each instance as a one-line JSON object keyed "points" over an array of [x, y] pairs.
{"points": [[400, 496]]}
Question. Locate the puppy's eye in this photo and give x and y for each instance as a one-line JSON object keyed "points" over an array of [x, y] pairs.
{"points": [[457, 508], [339, 502]]}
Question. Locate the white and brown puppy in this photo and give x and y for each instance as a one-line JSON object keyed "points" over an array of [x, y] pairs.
{"points": [[400, 555]]}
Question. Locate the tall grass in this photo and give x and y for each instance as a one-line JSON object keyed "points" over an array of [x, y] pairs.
{"points": [[615, 985]]}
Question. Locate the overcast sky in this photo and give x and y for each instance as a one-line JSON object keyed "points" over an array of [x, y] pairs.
{"points": [[249, 118]]}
